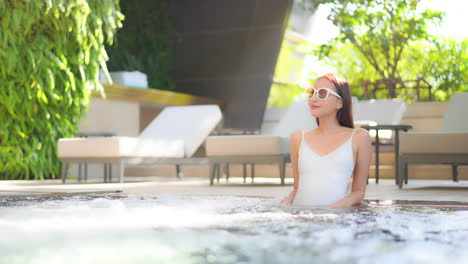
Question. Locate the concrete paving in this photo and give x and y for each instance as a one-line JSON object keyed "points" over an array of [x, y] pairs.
{"points": [[416, 190]]}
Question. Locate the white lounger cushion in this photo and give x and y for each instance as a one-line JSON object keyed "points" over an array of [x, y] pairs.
{"points": [[243, 145], [456, 117], [113, 147], [176, 132], [191, 124], [96, 147], [297, 117], [452, 137], [434, 143], [383, 112]]}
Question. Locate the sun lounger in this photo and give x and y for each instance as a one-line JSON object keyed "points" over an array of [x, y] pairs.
{"points": [[449, 145], [267, 149], [171, 138], [379, 112]]}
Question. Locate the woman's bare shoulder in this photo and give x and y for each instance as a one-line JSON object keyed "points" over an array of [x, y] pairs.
{"points": [[296, 135], [362, 132], [362, 136]]}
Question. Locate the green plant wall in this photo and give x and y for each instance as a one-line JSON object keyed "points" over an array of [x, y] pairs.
{"points": [[145, 42], [50, 53]]}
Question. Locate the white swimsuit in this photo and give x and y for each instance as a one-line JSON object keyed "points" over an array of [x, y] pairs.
{"points": [[325, 179]]}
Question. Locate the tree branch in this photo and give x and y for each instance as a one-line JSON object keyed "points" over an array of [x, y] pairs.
{"points": [[370, 58]]}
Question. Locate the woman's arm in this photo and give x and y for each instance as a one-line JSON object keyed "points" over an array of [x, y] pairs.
{"points": [[361, 171], [294, 141]]}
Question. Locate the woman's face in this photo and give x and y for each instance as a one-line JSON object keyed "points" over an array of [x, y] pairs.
{"points": [[331, 105]]}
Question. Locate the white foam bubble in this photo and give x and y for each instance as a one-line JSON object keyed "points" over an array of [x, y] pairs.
{"points": [[191, 229]]}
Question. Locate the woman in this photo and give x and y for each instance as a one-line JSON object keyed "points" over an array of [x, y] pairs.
{"points": [[326, 158]]}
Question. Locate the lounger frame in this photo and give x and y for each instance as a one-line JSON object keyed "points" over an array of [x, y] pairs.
{"points": [[453, 159], [217, 161], [123, 162]]}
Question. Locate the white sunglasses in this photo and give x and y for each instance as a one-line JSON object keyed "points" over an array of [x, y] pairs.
{"points": [[322, 93]]}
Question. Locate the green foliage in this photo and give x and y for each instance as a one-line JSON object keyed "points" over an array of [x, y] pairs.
{"points": [[381, 31], [282, 95], [288, 71], [442, 63], [350, 63], [290, 60], [51, 52], [445, 65], [145, 42]]}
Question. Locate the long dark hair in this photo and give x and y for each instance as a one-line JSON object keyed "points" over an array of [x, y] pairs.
{"points": [[345, 114]]}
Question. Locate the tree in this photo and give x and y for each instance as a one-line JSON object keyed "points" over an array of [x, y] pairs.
{"points": [[446, 66], [381, 31], [350, 63], [442, 63]]}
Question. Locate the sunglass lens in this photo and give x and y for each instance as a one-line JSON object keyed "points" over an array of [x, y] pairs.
{"points": [[322, 94]]}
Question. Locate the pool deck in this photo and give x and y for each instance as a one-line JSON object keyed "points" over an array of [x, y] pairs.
{"points": [[416, 190]]}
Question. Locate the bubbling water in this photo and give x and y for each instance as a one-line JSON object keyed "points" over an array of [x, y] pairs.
{"points": [[208, 229]]}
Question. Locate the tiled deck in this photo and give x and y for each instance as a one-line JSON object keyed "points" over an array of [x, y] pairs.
{"points": [[416, 190]]}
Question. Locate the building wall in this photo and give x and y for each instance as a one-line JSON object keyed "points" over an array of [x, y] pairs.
{"points": [[228, 50]]}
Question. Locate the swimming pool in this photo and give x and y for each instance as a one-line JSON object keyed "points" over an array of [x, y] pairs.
{"points": [[207, 229]]}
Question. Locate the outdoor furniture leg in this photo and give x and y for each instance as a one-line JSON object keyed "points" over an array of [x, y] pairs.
{"points": [[179, 172], [218, 171], [86, 171], [79, 172], [396, 129], [402, 172], [212, 172], [121, 170], [105, 172], [282, 171], [227, 171], [64, 171], [376, 156], [405, 170], [252, 171], [455, 172], [397, 153], [406, 173], [245, 172]]}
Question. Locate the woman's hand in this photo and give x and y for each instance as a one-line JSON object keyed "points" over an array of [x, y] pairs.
{"points": [[354, 198], [289, 199], [336, 205]]}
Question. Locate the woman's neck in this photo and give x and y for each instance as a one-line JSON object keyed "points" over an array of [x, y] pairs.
{"points": [[328, 124]]}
